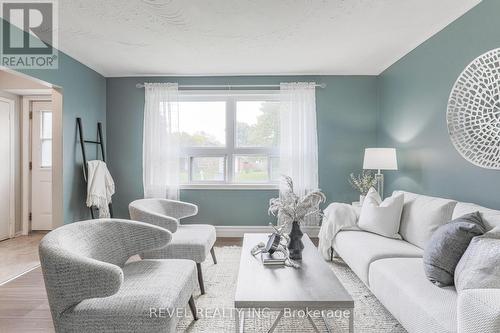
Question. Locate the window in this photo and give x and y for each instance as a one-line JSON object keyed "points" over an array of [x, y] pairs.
{"points": [[202, 124], [46, 139], [229, 138]]}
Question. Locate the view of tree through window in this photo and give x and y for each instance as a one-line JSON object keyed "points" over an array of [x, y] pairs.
{"points": [[257, 124], [251, 154], [202, 124]]}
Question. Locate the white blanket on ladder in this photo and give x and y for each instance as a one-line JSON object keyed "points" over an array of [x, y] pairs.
{"points": [[337, 217], [100, 187]]}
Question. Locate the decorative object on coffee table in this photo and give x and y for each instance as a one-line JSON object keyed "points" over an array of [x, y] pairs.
{"points": [[313, 287], [474, 110], [276, 244], [296, 246], [292, 209], [362, 183]]}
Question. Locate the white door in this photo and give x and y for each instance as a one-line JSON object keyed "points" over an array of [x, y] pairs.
{"points": [[6, 169], [41, 166]]}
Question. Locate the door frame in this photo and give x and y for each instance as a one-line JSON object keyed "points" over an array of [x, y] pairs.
{"points": [[55, 94], [26, 147], [12, 185]]}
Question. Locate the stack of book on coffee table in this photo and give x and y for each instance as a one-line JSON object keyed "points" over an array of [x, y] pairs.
{"points": [[275, 259]]}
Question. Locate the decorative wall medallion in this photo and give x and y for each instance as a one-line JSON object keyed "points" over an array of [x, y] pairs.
{"points": [[473, 114]]}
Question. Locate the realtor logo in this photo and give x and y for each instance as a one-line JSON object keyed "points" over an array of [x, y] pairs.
{"points": [[28, 37]]}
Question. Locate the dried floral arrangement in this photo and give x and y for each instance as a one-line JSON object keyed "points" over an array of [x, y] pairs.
{"points": [[363, 182], [289, 207]]}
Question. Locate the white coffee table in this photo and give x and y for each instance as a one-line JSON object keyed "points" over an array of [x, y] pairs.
{"points": [[311, 287]]}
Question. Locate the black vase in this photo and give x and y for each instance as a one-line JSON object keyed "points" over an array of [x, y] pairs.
{"points": [[295, 246]]}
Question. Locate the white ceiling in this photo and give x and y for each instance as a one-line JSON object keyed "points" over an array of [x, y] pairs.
{"points": [[249, 37]]}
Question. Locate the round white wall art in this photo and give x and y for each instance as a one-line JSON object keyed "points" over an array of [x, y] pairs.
{"points": [[473, 114]]}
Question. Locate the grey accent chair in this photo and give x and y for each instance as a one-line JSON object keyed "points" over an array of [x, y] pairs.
{"points": [[191, 241], [91, 288]]}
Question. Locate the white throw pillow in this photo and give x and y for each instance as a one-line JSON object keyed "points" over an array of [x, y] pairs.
{"points": [[382, 218]]}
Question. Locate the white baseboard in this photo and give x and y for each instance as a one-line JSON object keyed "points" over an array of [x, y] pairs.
{"points": [[238, 231]]}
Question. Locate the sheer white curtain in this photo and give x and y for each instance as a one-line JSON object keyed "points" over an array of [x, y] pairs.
{"points": [[299, 139], [161, 147]]}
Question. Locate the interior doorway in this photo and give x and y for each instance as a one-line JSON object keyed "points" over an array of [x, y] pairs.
{"points": [[7, 176], [31, 173]]}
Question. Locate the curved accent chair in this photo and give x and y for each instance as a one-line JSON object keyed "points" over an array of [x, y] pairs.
{"points": [[191, 241], [91, 287]]}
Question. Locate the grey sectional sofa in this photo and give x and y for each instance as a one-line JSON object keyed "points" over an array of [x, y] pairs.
{"points": [[394, 272]]}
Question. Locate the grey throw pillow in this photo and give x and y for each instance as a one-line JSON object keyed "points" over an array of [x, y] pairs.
{"points": [[479, 267], [447, 245]]}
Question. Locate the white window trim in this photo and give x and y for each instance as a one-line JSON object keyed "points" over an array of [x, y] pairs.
{"points": [[226, 186], [230, 150]]}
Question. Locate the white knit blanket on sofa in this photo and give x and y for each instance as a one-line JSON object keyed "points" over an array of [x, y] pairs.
{"points": [[337, 217]]}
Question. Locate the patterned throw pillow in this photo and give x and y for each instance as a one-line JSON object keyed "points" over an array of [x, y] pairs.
{"points": [[479, 267]]}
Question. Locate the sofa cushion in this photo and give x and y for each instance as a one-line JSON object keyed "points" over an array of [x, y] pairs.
{"points": [[480, 265], [491, 217], [447, 246], [420, 306], [360, 248], [422, 215], [149, 285]]}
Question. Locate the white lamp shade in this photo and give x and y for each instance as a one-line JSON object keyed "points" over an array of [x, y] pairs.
{"points": [[380, 159]]}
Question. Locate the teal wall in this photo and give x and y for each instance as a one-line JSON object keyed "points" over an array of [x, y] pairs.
{"points": [[84, 95], [404, 108], [346, 115], [414, 94]]}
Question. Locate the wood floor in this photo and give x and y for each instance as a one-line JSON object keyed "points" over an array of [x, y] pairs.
{"points": [[24, 306], [23, 301], [18, 255]]}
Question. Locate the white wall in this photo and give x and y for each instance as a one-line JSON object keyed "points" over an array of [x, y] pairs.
{"points": [[10, 81], [17, 155]]}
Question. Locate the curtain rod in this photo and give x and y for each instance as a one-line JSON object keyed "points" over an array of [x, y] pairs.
{"points": [[229, 86]]}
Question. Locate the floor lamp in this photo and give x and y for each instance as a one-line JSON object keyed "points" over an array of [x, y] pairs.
{"points": [[380, 159]]}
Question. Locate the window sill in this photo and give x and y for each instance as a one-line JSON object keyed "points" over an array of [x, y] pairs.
{"points": [[229, 187]]}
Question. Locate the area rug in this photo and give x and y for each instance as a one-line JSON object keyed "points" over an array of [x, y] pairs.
{"points": [[217, 314]]}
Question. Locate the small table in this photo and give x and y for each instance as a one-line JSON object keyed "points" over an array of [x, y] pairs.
{"points": [[313, 286]]}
